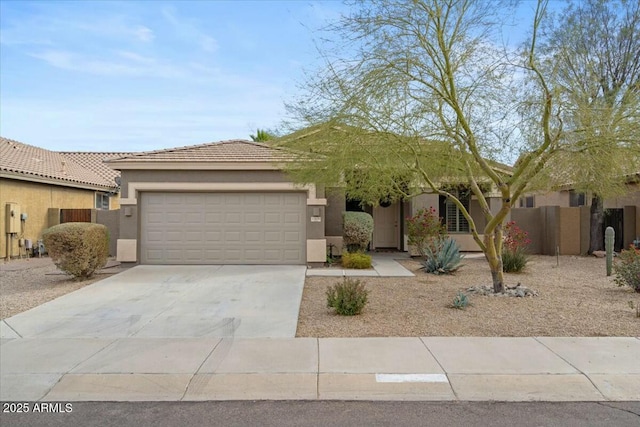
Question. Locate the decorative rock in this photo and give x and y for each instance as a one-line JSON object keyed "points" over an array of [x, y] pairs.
{"points": [[518, 291], [599, 254]]}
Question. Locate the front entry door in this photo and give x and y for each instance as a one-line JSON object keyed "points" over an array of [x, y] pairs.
{"points": [[385, 226]]}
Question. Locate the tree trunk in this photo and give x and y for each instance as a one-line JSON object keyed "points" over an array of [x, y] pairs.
{"points": [[596, 239], [498, 280], [494, 258]]}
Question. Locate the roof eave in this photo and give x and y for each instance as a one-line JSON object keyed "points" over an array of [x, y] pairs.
{"points": [[191, 165], [53, 181]]}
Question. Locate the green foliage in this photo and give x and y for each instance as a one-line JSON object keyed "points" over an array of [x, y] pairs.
{"points": [[357, 260], [424, 228], [347, 297], [357, 230], [445, 259], [627, 269], [514, 260], [460, 301], [261, 136], [78, 248]]}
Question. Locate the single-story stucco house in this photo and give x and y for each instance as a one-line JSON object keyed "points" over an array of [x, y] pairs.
{"points": [[35, 184], [231, 202]]}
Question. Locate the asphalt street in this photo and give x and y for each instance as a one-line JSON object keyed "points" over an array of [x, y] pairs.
{"points": [[330, 413]]}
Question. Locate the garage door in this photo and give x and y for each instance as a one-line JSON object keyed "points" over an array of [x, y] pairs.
{"points": [[223, 228]]}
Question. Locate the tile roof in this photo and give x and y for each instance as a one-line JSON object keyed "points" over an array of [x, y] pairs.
{"points": [[33, 162], [223, 151], [94, 161]]}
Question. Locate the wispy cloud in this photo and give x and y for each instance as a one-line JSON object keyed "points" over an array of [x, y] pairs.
{"points": [[189, 30], [143, 33], [42, 29], [121, 64]]}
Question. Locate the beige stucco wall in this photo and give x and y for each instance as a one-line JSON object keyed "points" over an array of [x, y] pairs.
{"points": [[570, 231], [553, 198], [35, 199]]}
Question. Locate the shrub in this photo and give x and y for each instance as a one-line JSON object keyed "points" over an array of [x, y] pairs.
{"points": [[515, 237], [78, 248], [445, 259], [627, 269], [424, 228], [514, 256], [514, 261], [356, 260], [347, 297], [357, 230]]}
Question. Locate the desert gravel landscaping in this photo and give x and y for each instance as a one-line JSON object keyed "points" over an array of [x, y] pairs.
{"points": [[25, 284], [575, 299]]}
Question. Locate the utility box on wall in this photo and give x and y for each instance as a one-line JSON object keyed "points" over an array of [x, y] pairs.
{"points": [[12, 218]]}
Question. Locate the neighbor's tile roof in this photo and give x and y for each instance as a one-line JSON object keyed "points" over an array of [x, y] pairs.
{"points": [[223, 151], [37, 163], [95, 161]]}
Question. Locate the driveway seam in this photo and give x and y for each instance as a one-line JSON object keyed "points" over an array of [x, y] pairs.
{"points": [[11, 327], [68, 372], [441, 367], [574, 367], [186, 389]]}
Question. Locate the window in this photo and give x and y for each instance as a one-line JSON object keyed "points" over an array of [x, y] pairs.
{"points": [[102, 201], [456, 222], [576, 199], [527, 202]]}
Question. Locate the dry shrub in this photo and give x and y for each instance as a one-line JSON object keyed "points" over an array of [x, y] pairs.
{"points": [[78, 248], [357, 260]]}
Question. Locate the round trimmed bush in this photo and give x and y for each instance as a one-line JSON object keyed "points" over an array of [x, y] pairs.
{"points": [[78, 248], [357, 230]]}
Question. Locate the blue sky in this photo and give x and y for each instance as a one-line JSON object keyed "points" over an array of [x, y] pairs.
{"points": [[135, 76], [111, 75]]}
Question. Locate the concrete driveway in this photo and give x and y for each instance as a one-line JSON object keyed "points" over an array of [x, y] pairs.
{"points": [[173, 301]]}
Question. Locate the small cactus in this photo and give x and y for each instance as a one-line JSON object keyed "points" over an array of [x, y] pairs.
{"points": [[609, 238]]}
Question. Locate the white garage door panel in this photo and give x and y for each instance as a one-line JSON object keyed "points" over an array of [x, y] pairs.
{"points": [[217, 228]]}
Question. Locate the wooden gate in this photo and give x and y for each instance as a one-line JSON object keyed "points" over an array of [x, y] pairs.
{"points": [[75, 215]]}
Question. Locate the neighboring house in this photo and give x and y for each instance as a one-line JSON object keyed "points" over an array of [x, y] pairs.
{"points": [[622, 213], [231, 202], [95, 162], [36, 183]]}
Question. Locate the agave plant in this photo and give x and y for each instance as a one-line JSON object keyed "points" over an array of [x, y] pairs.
{"points": [[445, 259]]}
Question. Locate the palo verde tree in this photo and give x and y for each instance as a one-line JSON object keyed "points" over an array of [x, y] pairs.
{"points": [[592, 54], [421, 90]]}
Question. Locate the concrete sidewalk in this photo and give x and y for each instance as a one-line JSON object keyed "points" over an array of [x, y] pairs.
{"points": [[432, 368], [384, 264]]}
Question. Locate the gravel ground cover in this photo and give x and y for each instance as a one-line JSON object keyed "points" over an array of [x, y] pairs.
{"points": [[25, 284], [575, 298]]}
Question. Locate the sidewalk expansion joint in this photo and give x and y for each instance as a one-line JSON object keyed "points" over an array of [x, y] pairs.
{"points": [[604, 397]]}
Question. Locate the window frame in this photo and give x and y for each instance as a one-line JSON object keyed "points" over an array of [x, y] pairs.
{"points": [[527, 202], [577, 199], [100, 200], [459, 222]]}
